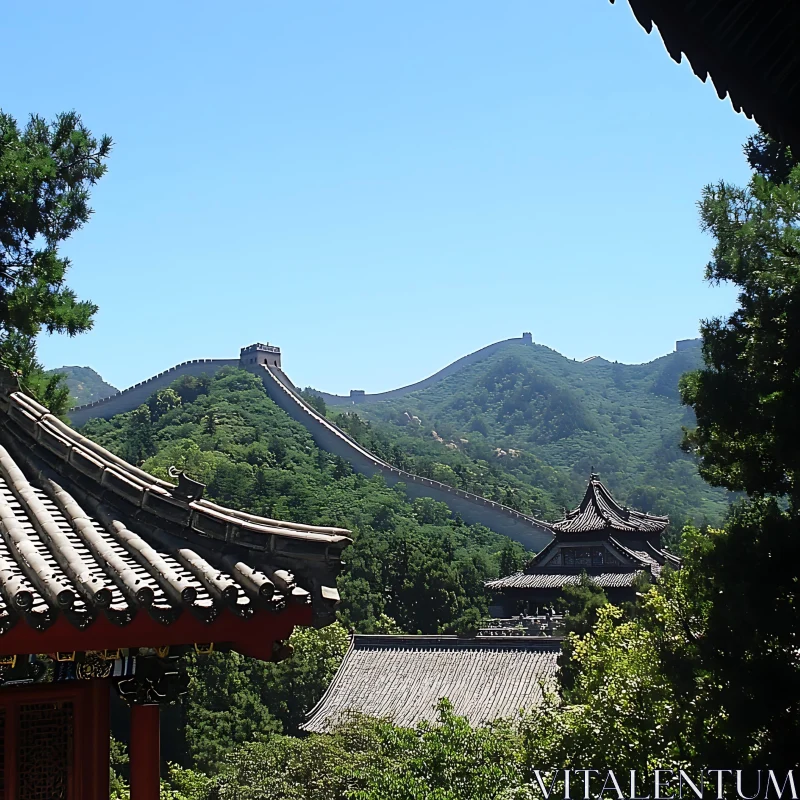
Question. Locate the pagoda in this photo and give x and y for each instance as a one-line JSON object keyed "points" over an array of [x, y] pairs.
{"points": [[108, 575], [612, 544]]}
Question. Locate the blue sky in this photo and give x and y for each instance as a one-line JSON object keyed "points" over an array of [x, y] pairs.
{"points": [[378, 188]]}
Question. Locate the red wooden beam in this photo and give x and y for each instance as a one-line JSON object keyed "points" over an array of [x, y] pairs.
{"points": [[251, 637]]}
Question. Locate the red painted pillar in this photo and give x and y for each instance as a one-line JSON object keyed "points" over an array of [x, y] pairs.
{"points": [[100, 730], [145, 753]]}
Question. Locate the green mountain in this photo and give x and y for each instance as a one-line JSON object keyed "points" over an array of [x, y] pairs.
{"points": [[549, 421], [85, 385]]}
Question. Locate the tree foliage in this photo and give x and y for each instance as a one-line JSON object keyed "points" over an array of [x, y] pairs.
{"points": [[46, 171], [745, 398], [368, 759], [748, 440], [580, 605]]}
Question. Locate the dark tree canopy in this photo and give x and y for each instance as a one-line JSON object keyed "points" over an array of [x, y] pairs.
{"points": [[46, 170], [745, 400], [748, 439]]}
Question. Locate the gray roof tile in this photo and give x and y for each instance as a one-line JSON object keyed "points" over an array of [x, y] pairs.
{"points": [[599, 511], [556, 580], [404, 677], [80, 536]]}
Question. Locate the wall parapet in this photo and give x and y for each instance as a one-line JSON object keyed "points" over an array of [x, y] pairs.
{"points": [[134, 396]]}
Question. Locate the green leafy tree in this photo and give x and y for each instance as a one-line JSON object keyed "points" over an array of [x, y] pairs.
{"points": [[746, 396], [119, 761], [296, 684], [366, 759], [139, 443], [162, 401], [747, 439], [511, 559], [580, 605], [224, 708], [46, 170]]}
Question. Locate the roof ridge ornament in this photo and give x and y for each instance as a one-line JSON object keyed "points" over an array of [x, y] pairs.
{"points": [[187, 488]]}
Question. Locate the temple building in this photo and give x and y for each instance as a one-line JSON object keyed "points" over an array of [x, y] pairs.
{"points": [[613, 545], [108, 575], [404, 677]]}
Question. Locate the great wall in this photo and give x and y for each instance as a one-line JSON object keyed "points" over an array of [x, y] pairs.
{"points": [[135, 395], [265, 362]]}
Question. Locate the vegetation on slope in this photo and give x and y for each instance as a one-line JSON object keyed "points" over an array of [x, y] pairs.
{"points": [[225, 432], [705, 670], [548, 421], [84, 384]]}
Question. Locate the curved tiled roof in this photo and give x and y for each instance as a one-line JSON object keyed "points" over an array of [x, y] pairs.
{"points": [[599, 512], [545, 579], [84, 534], [404, 677], [598, 516]]}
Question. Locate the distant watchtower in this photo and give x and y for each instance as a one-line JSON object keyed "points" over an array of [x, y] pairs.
{"points": [[260, 354], [687, 344], [357, 395], [527, 338]]}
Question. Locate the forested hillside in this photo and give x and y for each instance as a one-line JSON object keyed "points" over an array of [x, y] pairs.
{"points": [[85, 385], [226, 432], [549, 420]]}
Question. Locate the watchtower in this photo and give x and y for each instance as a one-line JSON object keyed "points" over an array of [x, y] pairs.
{"points": [[260, 354], [527, 338]]}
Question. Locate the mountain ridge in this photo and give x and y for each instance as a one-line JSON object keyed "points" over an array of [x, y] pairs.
{"points": [[530, 406], [85, 384], [550, 418]]}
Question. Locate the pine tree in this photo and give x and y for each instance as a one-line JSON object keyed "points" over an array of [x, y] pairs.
{"points": [[46, 170]]}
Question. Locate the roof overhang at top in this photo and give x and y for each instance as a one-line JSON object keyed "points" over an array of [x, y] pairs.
{"points": [[749, 49]]}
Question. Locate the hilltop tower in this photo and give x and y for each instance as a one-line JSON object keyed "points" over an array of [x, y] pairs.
{"points": [[260, 354], [527, 338]]}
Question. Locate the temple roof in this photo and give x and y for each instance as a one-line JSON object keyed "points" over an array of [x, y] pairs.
{"points": [[545, 572], [607, 579], [748, 48], [85, 535], [404, 677], [599, 512]]}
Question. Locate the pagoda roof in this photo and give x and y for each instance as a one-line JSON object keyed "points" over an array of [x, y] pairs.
{"points": [[747, 48], [90, 543], [542, 572], [557, 579], [600, 512], [404, 677]]}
